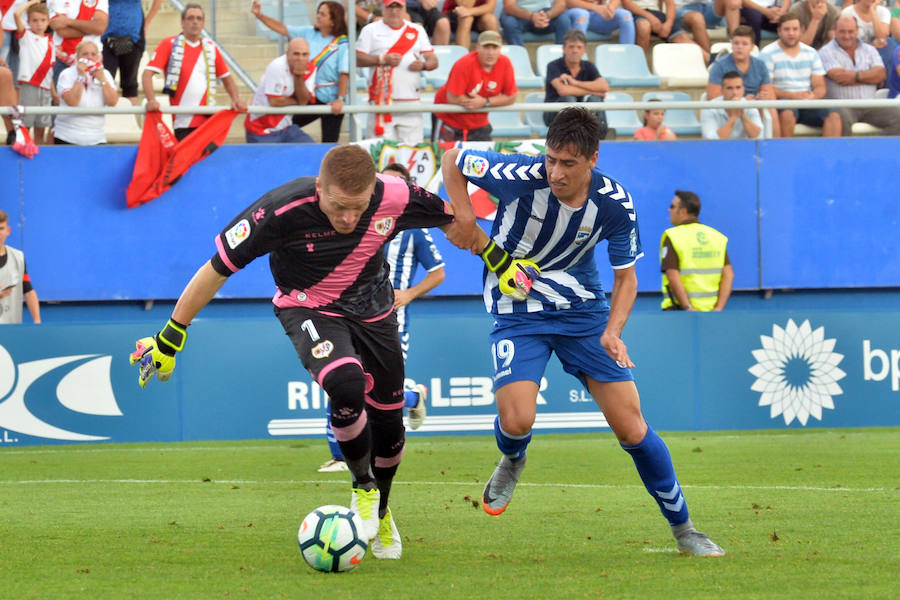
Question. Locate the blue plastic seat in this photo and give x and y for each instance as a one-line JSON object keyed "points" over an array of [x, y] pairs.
{"points": [[447, 57], [545, 54], [521, 62], [535, 120], [681, 121], [624, 65], [509, 124], [625, 122]]}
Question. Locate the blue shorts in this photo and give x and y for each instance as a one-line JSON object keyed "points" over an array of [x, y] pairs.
{"points": [[811, 117], [519, 354], [707, 9]]}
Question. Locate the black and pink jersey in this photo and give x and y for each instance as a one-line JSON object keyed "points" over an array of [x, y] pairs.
{"points": [[316, 267]]}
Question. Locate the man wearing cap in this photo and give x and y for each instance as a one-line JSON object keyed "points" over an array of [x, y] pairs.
{"points": [[483, 78], [398, 51]]}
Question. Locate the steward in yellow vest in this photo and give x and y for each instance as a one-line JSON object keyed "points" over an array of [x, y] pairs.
{"points": [[696, 271]]}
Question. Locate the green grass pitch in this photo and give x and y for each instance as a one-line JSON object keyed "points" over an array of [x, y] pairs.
{"points": [[801, 514]]}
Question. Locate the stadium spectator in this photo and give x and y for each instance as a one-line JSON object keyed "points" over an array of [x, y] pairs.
{"points": [[325, 238], [468, 15], [853, 70], [817, 19], [86, 84], [398, 51], [797, 74], [652, 17], [329, 57], [731, 123], [36, 58], [874, 22], [190, 65], [762, 15], [481, 79], [72, 22], [428, 14], [15, 283], [9, 48], [543, 292], [124, 42], [893, 83], [653, 128], [282, 84], [696, 16], [696, 272], [572, 78], [534, 16], [8, 97], [757, 82], [603, 17]]}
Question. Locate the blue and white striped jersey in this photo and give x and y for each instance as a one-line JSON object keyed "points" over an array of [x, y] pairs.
{"points": [[404, 254], [531, 223]]}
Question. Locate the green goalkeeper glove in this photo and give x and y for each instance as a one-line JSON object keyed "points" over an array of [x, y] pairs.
{"points": [[157, 354], [516, 275]]}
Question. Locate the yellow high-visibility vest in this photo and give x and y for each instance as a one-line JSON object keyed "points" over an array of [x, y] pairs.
{"points": [[701, 256]]}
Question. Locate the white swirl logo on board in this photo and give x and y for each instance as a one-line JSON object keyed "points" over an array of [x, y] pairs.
{"points": [[797, 372]]}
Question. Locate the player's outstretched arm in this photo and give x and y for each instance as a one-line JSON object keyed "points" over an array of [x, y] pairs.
{"points": [[156, 354], [463, 231], [624, 292]]}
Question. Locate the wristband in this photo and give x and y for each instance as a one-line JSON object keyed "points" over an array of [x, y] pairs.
{"points": [[495, 257], [172, 337]]}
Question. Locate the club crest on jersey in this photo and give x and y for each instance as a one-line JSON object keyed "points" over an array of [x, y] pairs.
{"points": [[582, 235], [301, 297], [238, 233], [322, 349], [475, 166], [89, 3], [384, 226]]}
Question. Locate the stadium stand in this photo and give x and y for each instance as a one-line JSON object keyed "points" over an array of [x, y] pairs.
{"points": [[543, 55], [679, 65], [122, 128], [535, 119], [508, 124], [447, 57], [624, 65], [681, 121], [521, 62], [625, 122]]}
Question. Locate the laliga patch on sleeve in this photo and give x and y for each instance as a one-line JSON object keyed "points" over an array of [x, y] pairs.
{"points": [[238, 233], [475, 166]]}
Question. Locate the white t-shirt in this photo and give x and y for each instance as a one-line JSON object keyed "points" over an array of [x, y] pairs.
{"points": [[867, 30], [276, 82], [71, 9], [82, 130], [377, 38], [32, 52], [8, 22]]}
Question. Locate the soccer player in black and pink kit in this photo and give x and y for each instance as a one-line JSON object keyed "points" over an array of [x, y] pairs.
{"points": [[325, 237]]}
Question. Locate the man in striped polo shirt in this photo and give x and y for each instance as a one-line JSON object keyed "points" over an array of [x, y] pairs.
{"points": [[797, 74]]}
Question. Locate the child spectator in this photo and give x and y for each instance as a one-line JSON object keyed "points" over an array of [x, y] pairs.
{"points": [[653, 128], [36, 58]]}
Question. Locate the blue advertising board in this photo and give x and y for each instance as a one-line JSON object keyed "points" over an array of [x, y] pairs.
{"points": [[241, 378]]}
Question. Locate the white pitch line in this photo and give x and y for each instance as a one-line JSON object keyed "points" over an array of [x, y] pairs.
{"points": [[789, 488]]}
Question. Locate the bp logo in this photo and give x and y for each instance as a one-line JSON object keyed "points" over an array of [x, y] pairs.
{"points": [[797, 372]]}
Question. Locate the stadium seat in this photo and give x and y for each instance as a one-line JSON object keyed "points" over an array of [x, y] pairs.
{"points": [[625, 122], [535, 120], [447, 57], [521, 62], [624, 65], [508, 124], [681, 121], [122, 129], [680, 65], [545, 54]]}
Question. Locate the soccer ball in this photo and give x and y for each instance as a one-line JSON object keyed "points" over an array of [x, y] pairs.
{"points": [[330, 539]]}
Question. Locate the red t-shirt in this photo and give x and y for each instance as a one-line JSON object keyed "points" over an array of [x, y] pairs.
{"points": [[467, 77]]}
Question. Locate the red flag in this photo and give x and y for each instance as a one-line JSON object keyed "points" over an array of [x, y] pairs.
{"points": [[161, 160]]}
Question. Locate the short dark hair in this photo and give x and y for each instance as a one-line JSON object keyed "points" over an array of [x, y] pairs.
{"points": [[397, 168], [743, 31], [191, 5], [575, 126], [689, 201], [574, 35], [788, 16], [350, 168], [732, 75]]}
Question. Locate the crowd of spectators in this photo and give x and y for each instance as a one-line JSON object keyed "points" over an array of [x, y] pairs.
{"points": [[822, 50]]}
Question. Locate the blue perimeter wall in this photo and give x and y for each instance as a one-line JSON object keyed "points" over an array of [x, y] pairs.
{"points": [[802, 359]]}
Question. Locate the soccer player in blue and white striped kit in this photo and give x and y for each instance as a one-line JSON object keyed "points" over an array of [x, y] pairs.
{"points": [[543, 289]]}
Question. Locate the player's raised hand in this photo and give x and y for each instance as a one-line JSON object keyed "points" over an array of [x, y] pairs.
{"points": [[156, 354]]}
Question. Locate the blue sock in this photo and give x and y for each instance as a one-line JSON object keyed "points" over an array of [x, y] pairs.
{"points": [[333, 445], [654, 465], [410, 399], [512, 446]]}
